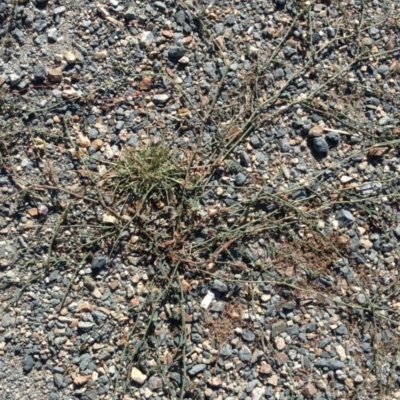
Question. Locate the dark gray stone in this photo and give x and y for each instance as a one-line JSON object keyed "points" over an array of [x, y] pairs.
{"points": [[279, 73], [99, 262], [293, 330], [383, 69], [85, 326], [19, 36], [384, 120], [176, 377], [219, 28], [289, 51], [260, 157], [366, 347], [180, 17], [142, 19], [251, 385], [196, 338], [99, 317], [345, 218], [320, 145], [58, 380], [80, 48], [39, 39], [342, 330], [321, 363], [84, 360], [40, 25], [331, 32], [387, 247], [220, 286], [175, 53], [93, 133], [230, 21], [146, 38], [119, 125], [130, 13], [226, 350], [248, 335], [289, 306], [245, 159], [315, 38], [52, 35], [155, 383], [244, 354], [59, 10], [28, 363], [14, 79], [335, 365], [24, 84], [104, 356], [159, 4], [255, 142], [197, 369], [284, 145], [91, 394], [374, 31], [311, 327], [333, 138], [218, 306], [325, 342], [17, 349], [277, 328], [89, 283], [7, 320], [240, 179]]}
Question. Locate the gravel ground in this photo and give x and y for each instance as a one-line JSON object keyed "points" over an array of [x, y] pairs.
{"points": [[199, 200]]}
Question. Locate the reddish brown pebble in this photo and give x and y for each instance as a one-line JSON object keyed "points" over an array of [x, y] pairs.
{"points": [[309, 390], [33, 212], [265, 368], [145, 83], [316, 130], [55, 74]]}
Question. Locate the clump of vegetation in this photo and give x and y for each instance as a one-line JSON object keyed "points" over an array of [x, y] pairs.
{"points": [[153, 172]]}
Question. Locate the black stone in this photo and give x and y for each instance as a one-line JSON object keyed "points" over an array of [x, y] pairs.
{"points": [[99, 262]]}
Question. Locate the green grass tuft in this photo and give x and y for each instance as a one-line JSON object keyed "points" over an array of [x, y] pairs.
{"points": [[150, 173]]}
